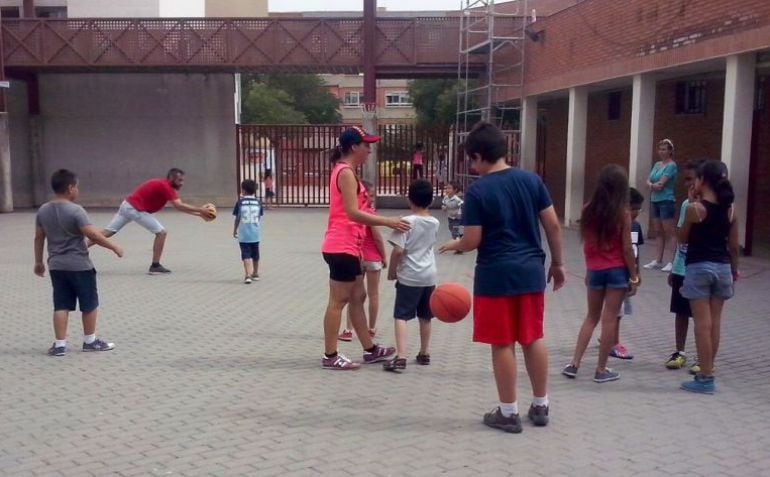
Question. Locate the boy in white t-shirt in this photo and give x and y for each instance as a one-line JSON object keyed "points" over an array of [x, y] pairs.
{"points": [[413, 265]]}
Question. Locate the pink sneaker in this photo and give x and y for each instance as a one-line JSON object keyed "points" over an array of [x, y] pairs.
{"points": [[346, 335], [619, 351]]}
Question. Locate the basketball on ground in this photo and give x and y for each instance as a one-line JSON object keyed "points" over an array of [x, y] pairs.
{"points": [[450, 302]]}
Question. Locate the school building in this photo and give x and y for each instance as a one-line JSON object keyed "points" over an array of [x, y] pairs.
{"points": [[605, 80]]}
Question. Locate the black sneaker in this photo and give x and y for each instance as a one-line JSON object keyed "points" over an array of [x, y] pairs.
{"points": [[396, 364], [158, 269], [98, 345], [57, 350], [538, 415], [496, 419], [423, 359]]}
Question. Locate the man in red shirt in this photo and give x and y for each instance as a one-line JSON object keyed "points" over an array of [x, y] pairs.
{"points": [[148, 198]]}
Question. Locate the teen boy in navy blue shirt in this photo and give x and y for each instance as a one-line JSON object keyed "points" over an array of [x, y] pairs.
{"points": [[502, 214]]}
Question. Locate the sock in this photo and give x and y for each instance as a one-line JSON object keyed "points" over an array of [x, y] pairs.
{"points": [[330, 355], [60, 344], [540, 401], [88, 339], [155, 264], [507, 410]]}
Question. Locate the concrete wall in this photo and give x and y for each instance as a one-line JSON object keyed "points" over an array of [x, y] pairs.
{"points": [[236, 8], [117, 130], [113, 8], [21, 161]]}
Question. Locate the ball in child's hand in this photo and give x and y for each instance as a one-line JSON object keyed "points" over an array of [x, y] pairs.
{"points": [[450, 302], [211, 212]]}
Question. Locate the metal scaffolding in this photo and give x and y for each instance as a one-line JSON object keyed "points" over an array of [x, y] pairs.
{"points": [[494, 34]]}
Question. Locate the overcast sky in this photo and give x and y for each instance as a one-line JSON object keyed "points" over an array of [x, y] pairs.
{"points": [[329, 5]]}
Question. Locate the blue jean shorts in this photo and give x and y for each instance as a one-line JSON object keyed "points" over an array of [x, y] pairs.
{"points": [[611, 278], [704, 280], [663, 210]]}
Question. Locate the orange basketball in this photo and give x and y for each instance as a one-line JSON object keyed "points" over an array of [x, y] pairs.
{"points": [[450, 302]]}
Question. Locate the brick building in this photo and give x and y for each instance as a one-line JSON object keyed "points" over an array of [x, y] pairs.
{"points": [[605, 80]]}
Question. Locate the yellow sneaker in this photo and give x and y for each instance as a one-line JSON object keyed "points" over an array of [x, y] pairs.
{"points": [[695, 368], [676, 361]]}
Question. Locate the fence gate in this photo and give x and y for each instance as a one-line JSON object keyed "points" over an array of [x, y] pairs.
{"points": [[297, 158]]}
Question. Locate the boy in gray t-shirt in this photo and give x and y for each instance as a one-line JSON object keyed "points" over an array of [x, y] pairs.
{"points": [[413, 265], [66, 225]]}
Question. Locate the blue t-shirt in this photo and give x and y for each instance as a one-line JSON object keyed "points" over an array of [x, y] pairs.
{"points": [[249, 210], [678, 267], [658, 172], [507, 206]]}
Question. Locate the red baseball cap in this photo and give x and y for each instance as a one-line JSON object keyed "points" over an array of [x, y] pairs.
{"points": [[356, 135]]}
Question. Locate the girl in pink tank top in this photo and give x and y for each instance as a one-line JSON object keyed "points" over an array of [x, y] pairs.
{"points": [[611, 273], [342, 249]]}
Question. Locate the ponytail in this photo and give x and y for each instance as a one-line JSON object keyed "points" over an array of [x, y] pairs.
{"points": [[714, 174], [336, 154], [725, 194]]}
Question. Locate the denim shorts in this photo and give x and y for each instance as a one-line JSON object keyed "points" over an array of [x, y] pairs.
{"points": [[249, 250], [412, 301], [663, 210], [70, 288], [611, 278], [708, 279]]}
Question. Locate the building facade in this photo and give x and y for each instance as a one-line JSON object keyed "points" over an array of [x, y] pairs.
{"points": [[137, 8], [606, 80], [393, 103]]}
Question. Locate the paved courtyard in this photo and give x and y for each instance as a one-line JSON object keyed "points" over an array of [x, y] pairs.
{"points": [[213, 377]]}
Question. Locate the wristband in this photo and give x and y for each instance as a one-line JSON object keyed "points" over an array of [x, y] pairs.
{"points": [[634, 282]]}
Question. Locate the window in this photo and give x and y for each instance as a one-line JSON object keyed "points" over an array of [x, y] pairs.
{"points": [[51, 12], [398, 99], [10, 12], [613, 106], [691, 97], [352, 98]]}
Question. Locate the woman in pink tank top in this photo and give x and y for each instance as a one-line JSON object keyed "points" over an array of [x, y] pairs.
{"points": [[342, 249]]}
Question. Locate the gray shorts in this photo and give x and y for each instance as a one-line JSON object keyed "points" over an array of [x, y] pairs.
{"points": [[127, 213], [704, 280]]}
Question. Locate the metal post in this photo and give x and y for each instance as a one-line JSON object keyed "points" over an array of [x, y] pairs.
{"points": [[28, 9], [369, 117]]}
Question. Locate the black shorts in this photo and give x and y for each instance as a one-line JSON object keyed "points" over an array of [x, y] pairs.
{"points": [[269, 193], [412, 301], [679, 304], [249, 250], [343, 267], [74, 287]]}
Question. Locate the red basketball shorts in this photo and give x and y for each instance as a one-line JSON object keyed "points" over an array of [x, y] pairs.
{"points": [[504, 320]]}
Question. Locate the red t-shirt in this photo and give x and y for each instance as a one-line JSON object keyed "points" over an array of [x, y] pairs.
{"points": [[152, 195]]}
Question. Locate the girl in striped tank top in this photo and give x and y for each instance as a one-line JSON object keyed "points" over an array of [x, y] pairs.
{"points": [[341, 249]]}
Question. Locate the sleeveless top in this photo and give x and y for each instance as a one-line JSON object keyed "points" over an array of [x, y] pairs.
{"points": [[708, 238], [601, 258], [342, 234]]}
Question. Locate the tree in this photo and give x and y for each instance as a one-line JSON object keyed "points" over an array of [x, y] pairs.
{"points": [[435, 101], [263, 104], [295, 99]]}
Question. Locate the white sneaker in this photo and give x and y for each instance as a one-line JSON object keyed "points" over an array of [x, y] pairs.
{"points": [[667, 268], [247, 280], [654, 265]]}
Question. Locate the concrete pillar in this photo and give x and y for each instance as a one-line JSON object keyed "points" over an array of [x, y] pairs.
{"points": [[528, 146], [576, 154], [6, 186], [370, 169], [736, 129], [642, 140]]}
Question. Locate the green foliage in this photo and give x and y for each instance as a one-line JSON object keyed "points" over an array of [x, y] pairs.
{"points": [[288, 99], [435, 101]]}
